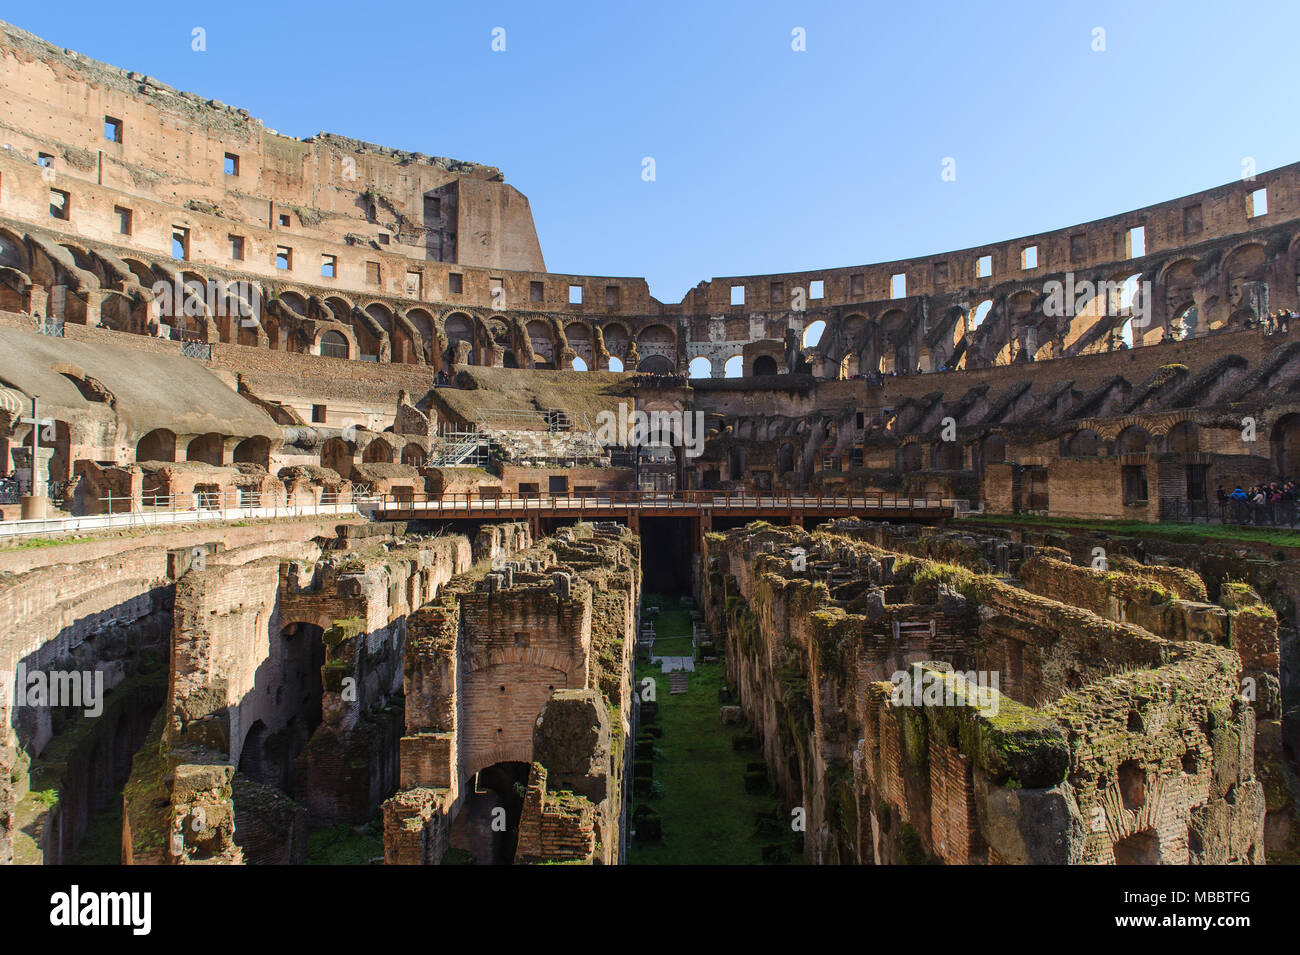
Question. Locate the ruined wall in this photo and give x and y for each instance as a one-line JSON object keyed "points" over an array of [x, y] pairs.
{"points": [[516, 664], [1068, 738], [287, 673]]}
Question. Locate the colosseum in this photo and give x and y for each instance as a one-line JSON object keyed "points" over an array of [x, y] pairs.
{"points": [[336, 529]]}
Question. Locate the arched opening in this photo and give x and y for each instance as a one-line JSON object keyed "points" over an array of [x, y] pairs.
{"points": [[615, 364], [1132, 440], [459, 328], [656, 365], [541, 337], [765, 365], [206, 448], [700, 367], [981, 312], [579, 364], [488, 823], [334, 344], [254, 450], [337, 455], [157, 445], [812, 335], [734, 367], [1142, 848], [508, 359], [413, 455], [377, 451], [1285, 446]]}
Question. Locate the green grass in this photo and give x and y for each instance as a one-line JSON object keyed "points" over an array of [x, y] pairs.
{"points": [[708, 818], [343, 845], [1182, 533], [673, 633]]}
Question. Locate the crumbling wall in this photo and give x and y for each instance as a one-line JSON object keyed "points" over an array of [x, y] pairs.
{"points": [[1072, 739]]}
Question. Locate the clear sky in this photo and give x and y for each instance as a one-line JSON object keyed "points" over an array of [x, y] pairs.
{"points": [[766, 159]]}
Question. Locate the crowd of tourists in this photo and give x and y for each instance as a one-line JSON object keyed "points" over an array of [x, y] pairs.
{"points": [[1264, 504]]}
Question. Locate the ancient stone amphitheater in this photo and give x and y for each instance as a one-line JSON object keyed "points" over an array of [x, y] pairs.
{"points": [[336, 528]]}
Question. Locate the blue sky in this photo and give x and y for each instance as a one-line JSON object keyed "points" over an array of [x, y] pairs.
{"points": [[766, 159]]}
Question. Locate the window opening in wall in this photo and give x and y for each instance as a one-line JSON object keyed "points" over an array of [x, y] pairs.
{"points": [[1029, 257], [898, 285], [817, 288], [1135, 242], [236, 247], [575, 294], [180, 243], [383, 238], [284, 219], [329, 267], [984, 266], [60, 204], [414, 282], [536, 291], [372, 273], [318, 414], [455, 283], [44, 160], [1257, 203], [113, 129], [232, 164], [738, 295], [123, 219], [283, 258]]}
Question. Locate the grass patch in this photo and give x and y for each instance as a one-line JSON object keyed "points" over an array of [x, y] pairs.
{"points": [[707, 817], [345, 845], [1180, 533]]}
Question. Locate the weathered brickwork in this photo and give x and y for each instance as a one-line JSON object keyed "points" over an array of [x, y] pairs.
{"points": [[1106, 742], [513, 665]]}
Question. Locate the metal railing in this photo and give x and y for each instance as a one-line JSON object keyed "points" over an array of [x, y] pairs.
{"points": [[50, 326], [716, 502]]}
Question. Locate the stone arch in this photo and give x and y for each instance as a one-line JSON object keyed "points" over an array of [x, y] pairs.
{"points": [[413, 455], [1284, 446], [338, 455], [765, 365], [157, 445], [377, 451], [1134, 439], [208, 448], [700, 367], [734, 367], [254, 450], [333, 344]]}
